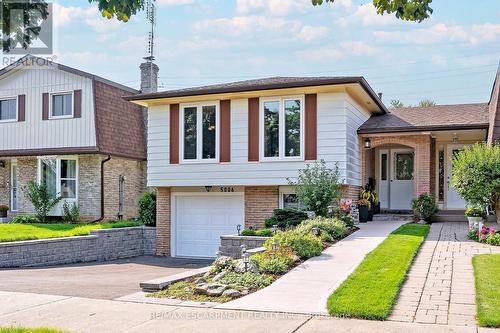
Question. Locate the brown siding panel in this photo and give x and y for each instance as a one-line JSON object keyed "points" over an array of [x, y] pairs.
{"points": [[77, 109], [21, 108], [45, 106], [225, 131], [253, 129], [174, 133], [311, 127]]}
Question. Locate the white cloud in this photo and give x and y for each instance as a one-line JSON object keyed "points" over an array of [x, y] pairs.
{"points": [[337, 52], [273, 7], [64, 16], [366, 14], [309, 33]]}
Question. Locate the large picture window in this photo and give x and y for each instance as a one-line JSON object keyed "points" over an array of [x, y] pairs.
{"points": [[199, 124], [60, 175], [8, 109], [282, 128]]}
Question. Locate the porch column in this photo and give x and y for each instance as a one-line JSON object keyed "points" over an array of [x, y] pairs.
{"points": [[422, 173]]}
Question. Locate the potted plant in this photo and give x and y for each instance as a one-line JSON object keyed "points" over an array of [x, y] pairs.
{"points": [[367, 194], [364, 208], [475, 216], [424, 207], [3, 211]]}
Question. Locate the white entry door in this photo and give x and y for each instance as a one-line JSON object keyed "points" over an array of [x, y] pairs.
{"points": [[384, 178], [401, 186], [200, 220], [13, 187], [453, 200]]}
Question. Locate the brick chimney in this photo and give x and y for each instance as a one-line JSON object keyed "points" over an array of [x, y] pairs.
{"points": [[149, 77]]}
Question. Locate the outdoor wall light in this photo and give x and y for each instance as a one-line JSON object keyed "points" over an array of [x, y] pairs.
{"points": [[455, 138], [243, 249], [238, 228], [246, 260], [208, 188], [368, 143], [275, 228], [275, 246], [2, 164]]}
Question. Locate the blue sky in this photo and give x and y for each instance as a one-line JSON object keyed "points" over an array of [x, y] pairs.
{"points": [[450, 58]]}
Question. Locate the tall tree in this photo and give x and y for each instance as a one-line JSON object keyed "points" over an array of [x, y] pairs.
{"points": [[408, 10]]}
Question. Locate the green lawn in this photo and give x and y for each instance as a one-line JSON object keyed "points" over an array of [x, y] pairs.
{"points": [[29, 330], [487, 279], [371, 290], [18, 232]]}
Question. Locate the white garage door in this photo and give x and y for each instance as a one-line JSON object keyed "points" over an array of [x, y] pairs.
{"points": [[200, 220]]}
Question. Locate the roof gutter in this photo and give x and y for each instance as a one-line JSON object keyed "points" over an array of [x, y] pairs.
{"points": [[104, 161]]}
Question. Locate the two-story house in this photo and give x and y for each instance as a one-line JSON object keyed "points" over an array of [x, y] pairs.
{"points": [[73, 131], [221, 156]]}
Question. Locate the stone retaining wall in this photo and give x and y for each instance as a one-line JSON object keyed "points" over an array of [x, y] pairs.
{"points": [[230, 246], [100, 245]]}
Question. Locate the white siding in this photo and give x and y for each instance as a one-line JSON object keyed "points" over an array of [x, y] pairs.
{"points": [[35, 133], [331, 147], [355, 117]]}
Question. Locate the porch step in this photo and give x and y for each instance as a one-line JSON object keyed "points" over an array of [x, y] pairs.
{"points": [[393, 217], [455, 216]]}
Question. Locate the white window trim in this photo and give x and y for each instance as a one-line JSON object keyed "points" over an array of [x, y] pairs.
{"points": [[58, 174], [199, 132], [282, 191], [17, 110], [13, 163], [281, 100], [72, 93]]}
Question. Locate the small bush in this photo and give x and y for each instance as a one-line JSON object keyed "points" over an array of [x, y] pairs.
{"points": [[424, 206], [274, 262], [40, 197], [348, 221], [473, 235], [286, 218], [333, 227], [493, 239], [247, 280], [222, 264], [147, 208], [475, 212], [485, 233], [260, 233], [71, 212], [25, 219], [4, 208], [304, 245]]}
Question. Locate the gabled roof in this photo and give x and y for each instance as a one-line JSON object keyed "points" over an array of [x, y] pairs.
{"points": [[439, 117], [30, 59], [264, 84]]}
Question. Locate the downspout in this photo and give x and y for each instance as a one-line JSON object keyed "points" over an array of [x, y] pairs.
{"points": [[102, 189]]}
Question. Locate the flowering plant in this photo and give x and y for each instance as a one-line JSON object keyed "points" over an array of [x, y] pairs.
{"points": [[485, 232]]}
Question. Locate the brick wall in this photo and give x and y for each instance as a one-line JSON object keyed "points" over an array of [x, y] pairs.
{"points": [[260, 201], [163, 221], [89, 188], [27, 171], [5, 183], [350, 192]]}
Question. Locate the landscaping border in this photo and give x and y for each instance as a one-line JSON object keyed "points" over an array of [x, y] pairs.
{"points": [[230, 245], [100, 245]]}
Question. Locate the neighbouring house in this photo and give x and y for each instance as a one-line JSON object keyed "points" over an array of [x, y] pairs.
{"points": [[73, 131], [220, 156]]}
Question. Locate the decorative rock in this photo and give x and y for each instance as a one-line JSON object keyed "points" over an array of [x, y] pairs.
{"points": [[200, 280], [216, 289], [201, 288], [233, 293], [206, 275], [245, 292], [219, 276], [250, 267]]}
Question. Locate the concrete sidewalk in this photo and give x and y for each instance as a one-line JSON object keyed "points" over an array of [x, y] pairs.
{"points": [[305, 289], [76, 314]]}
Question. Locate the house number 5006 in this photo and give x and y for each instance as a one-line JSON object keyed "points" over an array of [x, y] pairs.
{"points": [[227, 189]]}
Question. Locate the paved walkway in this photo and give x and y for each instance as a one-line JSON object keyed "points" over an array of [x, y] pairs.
{"points": [[440, 284], [305, 289], [76, 314]]}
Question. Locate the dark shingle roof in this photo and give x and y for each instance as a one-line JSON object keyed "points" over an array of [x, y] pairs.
{"points": [[439, 117]]}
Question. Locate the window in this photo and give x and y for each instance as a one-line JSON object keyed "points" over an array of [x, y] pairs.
{"points": [[60, 176], [8, 109], [404, 166], [383, 167], [62, 106], [199, 125], [282, 124]]}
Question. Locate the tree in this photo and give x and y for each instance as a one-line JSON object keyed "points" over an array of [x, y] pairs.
{"points": [[476, 175], [41, 198], [408, 10], [425, 103], [396, 103]]}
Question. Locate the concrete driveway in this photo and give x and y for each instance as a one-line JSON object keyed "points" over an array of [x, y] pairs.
{"points": [[107, 280]]}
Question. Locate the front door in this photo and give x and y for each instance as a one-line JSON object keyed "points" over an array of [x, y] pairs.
{"points": [[401, 183], [384, 175], [13, 187], [453, 200]]}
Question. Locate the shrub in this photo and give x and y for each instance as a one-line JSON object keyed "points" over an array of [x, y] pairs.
{"points": [[317, 187], [493, 239], [476, 175], [4, 208], [475, 212], [25, 219], [286, 218], [473, 235], [222, 264], [348, 221], [147, 208], [260, 233], [333, 227], [304, 245], [274, 262], [424, 206], [71, 212], [247, 279], [485, 233], [41, 199]]}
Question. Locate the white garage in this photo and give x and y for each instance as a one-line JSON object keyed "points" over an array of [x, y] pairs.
{"points": [[199, 219]]}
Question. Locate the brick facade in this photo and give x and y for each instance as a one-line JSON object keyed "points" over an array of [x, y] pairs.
{"points": [[260, 201], [350, 192], [89, 187], [5, 184], [163, 221]]}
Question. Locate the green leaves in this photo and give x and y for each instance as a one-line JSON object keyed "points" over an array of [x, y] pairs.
{"points": [[121, 9], [41, 199]]}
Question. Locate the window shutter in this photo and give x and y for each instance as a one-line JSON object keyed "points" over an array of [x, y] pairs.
{"points": [[225, 131], [77, 104], [21, 108], [174, 133], [45, 106], [253, 129], [311, 125]]}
